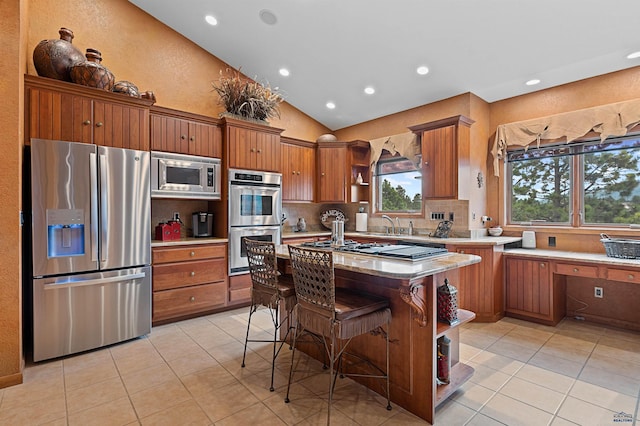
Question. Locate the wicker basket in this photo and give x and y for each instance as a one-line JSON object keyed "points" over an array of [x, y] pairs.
{"points": [[621, 248]]}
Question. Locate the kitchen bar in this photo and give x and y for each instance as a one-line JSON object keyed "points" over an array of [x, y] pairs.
{"points": [[410, 287]]}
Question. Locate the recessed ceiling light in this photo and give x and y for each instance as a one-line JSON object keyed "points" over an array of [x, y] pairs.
{"points": [[211, 20], [532, 82], [422, 70], [331, 105], [369, 90], [268, 17], [633, 55], [284, 72]]}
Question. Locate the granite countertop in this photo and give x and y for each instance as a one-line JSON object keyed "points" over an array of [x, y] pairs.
{"points": [[572, 256], [486, 240], [188, 241], [394, 268]]}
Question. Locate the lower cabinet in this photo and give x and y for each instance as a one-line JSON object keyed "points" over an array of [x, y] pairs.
{"points": [[480, 289], [531, 292], [188, 280]]}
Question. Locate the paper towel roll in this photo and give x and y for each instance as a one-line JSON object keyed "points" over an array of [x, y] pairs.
{"points": [[361, 222]]}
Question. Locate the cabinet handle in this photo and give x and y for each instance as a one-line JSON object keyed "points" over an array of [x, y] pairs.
{"points": [[461, 251], [192, 299], [252, 150], [298, 173], [99, 124], [183, 137], [259, 151], [542, 265], [575, 269], [193, 274], [293, 172], [426, 163], [192, 139], [322, 174], [86, 122], [630, 276], [193, 253]]}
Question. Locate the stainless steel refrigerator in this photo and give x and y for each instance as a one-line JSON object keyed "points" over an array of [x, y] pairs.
{"points": [[91, 246]]}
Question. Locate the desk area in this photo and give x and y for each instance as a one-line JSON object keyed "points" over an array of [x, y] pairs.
{"points": [[410, 287]]}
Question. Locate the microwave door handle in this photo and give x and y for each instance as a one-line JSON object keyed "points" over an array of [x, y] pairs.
{"points": [[94, 205], [104, 208]]}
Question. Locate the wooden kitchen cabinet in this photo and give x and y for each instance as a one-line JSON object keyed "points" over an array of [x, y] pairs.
{"points": [[251, 146], [185, 133], [480, 288], [298, 170], [445, 157], [359, 152], [532, 293], [65, 111], [188, 280], [331, 183]]}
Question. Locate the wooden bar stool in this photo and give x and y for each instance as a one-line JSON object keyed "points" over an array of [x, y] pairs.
{"points": [[334, 313], [269, 289]]}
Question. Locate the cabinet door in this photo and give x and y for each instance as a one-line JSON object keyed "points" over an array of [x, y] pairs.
{"points": [[440, 163], [529, 287], [480, 285], [298, 170], [205, 140], [332, 171], [58, 116], [120, 126], [169, 134], [253, 149]]}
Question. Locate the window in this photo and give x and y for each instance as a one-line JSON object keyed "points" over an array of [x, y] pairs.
{"points": [[589, 183], [398, 186]]}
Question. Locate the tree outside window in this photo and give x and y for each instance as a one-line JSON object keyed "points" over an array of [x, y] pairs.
{"points": [[398, 186]]}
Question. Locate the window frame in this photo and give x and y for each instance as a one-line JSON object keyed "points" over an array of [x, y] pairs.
{"points": [[577, 199]]}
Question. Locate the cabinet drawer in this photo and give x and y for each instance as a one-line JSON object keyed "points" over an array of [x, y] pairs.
{"points": [[240, 281], [577, 270], [624, 275], [184, 301], [239, 295], [183, 274], [193, 252]]}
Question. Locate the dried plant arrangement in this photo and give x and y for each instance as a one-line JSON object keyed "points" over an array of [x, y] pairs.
{"points": [[246, 98]]}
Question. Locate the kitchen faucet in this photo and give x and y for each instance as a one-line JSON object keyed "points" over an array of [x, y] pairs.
{"points": [[393, 227]]}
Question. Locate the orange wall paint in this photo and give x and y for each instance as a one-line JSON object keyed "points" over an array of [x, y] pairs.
{"points": [[141, 49], [11, 123]]}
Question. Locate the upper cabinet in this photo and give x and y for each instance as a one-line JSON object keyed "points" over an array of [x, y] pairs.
{"points": [[298, 169], [445, 157], [339, 165], [70, 112], [251, 146], [331, 182], [185, 133]]}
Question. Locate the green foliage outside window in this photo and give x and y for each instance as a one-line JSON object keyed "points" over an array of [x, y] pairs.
{"points": [[396, 199]]}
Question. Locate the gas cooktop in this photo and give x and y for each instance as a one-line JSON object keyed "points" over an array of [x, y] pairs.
{"points": [[398, 251]]}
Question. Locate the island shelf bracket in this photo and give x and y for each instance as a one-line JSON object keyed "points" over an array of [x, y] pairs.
{"points": [[413, 295]]}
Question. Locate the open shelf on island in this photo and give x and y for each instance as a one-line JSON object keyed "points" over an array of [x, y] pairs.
{"points": [[463, 316], [460, 373]]}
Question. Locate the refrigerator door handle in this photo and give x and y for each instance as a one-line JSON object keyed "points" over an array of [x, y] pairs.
{"points": [[104, 209], [94, 206], [83, 283]]}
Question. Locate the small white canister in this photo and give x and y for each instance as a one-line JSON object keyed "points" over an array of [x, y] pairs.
{"points": [[528, 239]]}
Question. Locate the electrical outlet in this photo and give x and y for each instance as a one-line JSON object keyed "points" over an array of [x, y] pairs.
{"points": [[437, 215], [597, 292], [552, 241], [473, 216], [451, 216]]}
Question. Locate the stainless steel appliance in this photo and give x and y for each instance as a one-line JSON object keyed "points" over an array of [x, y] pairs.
{"points": [[202, 224], [185, 176], [397, 251], [91, 246], [255, 209]]}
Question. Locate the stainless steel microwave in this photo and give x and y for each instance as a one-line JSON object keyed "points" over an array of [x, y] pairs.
{"points": [[185, 176]]}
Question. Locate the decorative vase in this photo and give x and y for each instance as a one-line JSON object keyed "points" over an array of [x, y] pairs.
{"points": [[302, 225], [92, 73], [54, 58], [359, 179], [126, 88]]}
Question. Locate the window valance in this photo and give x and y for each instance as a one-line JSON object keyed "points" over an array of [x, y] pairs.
{"points": [[406, 144], [606, 120]]}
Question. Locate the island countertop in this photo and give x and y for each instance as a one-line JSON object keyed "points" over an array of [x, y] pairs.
{"points": [[394, 268]]}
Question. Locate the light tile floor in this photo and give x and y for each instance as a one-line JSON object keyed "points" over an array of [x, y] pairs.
{"points": [[189, 373]]}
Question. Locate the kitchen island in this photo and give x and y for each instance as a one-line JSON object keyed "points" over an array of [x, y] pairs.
{"points": [[410, 287]]}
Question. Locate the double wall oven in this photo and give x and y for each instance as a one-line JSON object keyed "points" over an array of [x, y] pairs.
{"points": [[255, 211]]}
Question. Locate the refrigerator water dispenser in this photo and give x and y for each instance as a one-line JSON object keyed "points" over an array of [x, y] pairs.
{"points": [[65, 232]]}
